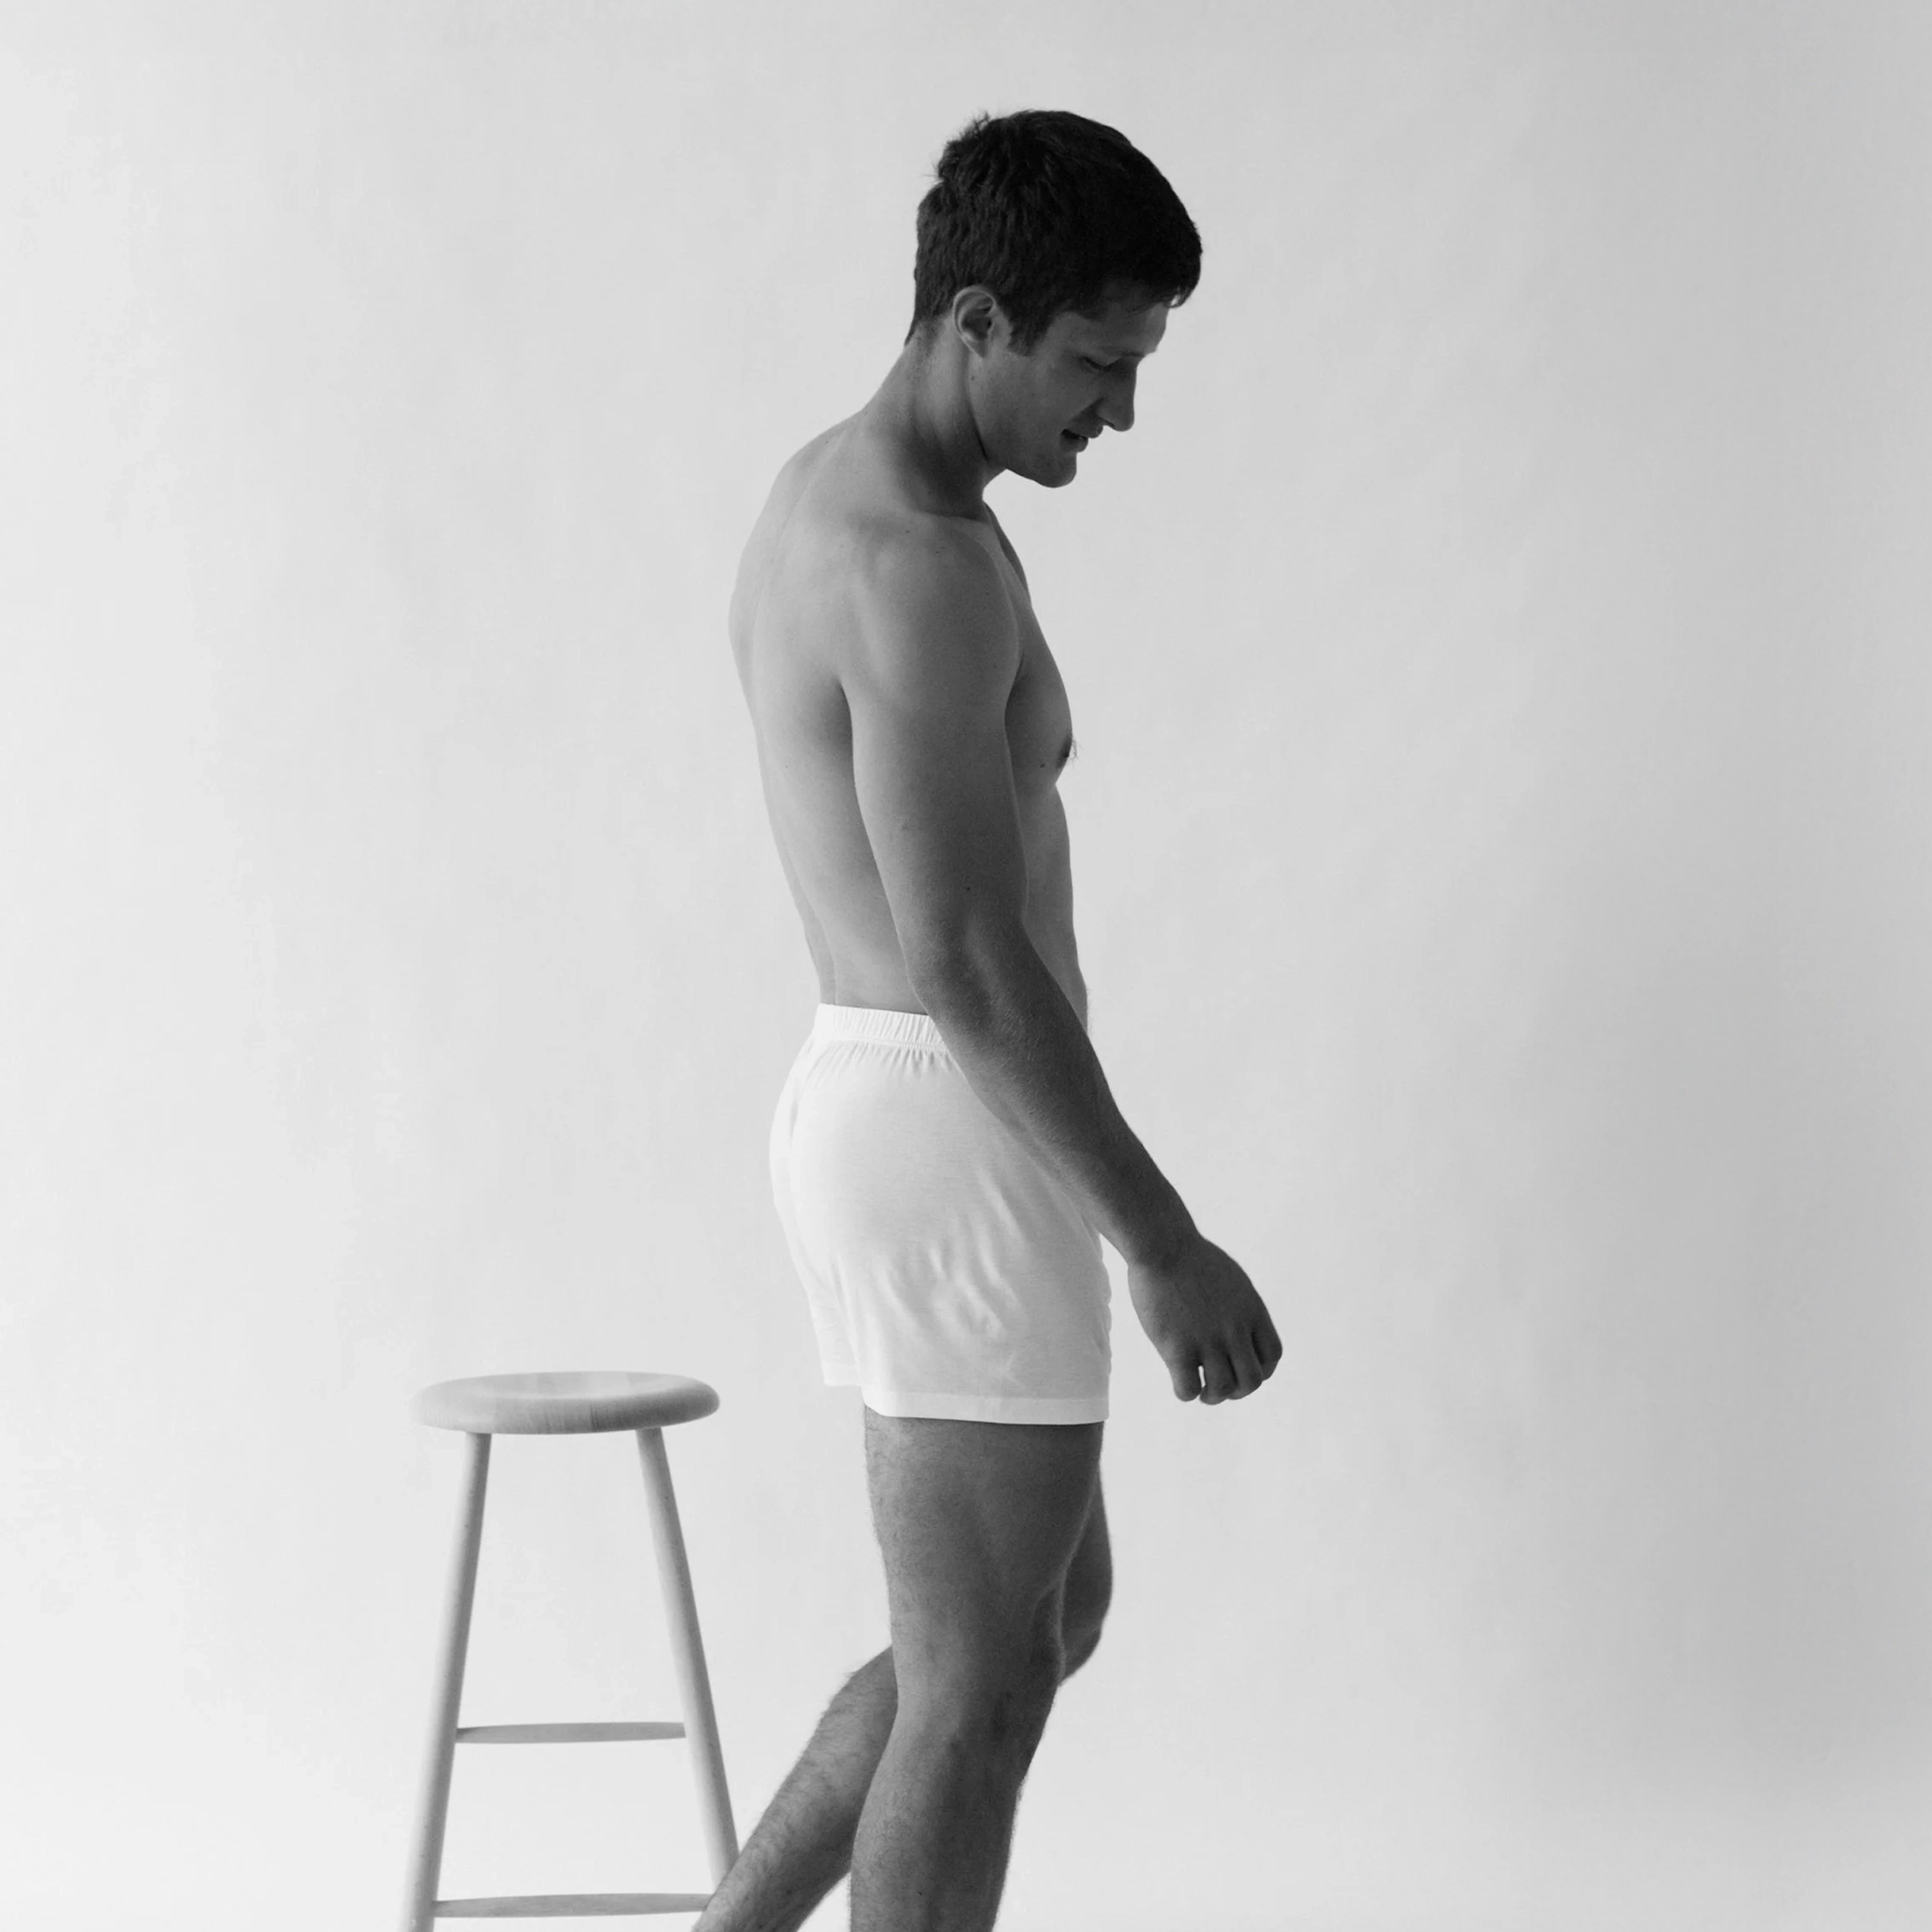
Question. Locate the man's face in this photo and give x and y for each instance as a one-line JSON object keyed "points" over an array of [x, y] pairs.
{"points": [[1040, 411]]}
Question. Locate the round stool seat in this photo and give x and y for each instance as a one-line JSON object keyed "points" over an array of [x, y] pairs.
{"points": [[564, 1402]]}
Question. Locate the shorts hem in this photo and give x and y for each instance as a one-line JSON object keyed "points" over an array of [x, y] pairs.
{"points": [[986, 1407]]}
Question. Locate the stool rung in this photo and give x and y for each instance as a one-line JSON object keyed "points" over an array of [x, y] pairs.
{"points": [[574, 1905], [563, 1734]]}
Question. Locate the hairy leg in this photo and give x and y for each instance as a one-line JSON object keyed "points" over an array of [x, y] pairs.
{"points": [[979, 1523], [802, 1845]]}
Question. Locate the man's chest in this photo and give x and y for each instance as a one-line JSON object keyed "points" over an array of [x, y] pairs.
{"points": [[1039, 716]]}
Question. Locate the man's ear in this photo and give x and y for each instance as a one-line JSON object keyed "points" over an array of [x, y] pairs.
{"points": [[978, 318]]}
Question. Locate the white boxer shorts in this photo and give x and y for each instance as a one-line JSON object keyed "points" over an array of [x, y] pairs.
{"points": [[948, 1273]]}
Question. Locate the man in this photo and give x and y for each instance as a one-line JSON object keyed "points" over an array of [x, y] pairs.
{"points": [[946, 1154]]}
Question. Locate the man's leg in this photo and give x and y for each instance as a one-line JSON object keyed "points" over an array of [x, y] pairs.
{"points": [[802, 1845], [978, 1523]]}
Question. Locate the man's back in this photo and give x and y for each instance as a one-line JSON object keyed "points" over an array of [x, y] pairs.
{"points": [[845, 516]]}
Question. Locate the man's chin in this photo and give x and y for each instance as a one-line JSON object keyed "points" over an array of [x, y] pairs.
{"points": [[1052, 466], [1061, 471]]}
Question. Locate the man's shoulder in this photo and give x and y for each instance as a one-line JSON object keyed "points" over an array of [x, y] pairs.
{"points": [[895, 559], [881, 573], [931, 621], [913, 575]]}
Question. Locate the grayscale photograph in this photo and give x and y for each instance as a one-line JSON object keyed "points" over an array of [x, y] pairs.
{"points": [[619, 1302]]}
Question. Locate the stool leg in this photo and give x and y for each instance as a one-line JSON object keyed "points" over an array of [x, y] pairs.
{"points": [[426, 1854], [700, 1721]]}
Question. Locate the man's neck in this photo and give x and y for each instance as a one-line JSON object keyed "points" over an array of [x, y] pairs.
{"points": [[923, 413]]}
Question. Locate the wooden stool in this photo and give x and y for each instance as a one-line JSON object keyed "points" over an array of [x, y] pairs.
{"points": [[568, 1405]]}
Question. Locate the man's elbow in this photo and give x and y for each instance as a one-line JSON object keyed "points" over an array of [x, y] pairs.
{"points": [[959, 973]]}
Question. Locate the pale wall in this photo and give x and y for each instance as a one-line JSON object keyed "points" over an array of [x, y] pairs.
{"points": [[1498, 662]]}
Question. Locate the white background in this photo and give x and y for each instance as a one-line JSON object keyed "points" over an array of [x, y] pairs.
{"points": [[1501, 829]]}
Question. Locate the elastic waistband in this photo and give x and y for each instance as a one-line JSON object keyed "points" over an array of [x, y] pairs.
{"points": [[881, 1023]]}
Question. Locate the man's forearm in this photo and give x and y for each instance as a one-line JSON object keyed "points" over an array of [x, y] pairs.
{"points": [[1026, 1055]]}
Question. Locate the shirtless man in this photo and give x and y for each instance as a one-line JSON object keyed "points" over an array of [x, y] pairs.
{"points": [[946, 1154]]}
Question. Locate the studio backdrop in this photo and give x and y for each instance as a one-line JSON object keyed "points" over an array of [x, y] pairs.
{"points": [[1498, 661]]}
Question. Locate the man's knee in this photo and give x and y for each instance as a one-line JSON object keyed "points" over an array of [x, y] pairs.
{"points": [[1084, 1597], [991, 1700], [1080, 1623]]}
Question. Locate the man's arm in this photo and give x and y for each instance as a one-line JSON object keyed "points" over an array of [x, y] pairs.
{"points": [[931, 668]]}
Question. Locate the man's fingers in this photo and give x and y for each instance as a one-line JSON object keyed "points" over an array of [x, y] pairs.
{"points": [[1267, 1343], [1249, 1364], [1267, 1349], [1213, 1375]]}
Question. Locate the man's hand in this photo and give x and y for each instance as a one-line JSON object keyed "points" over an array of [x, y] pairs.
{"points": [[1206, 1322]]}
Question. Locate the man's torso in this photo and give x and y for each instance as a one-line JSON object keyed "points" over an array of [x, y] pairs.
{"points": [[791, 623]]}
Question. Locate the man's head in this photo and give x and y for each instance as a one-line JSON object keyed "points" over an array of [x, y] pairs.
{"points": [[1050, 251]]}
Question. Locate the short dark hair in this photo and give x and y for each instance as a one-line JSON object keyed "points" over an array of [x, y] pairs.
{"points": [[1047, 209]]}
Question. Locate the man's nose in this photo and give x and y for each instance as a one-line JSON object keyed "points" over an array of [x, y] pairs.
{"points": [[1116, 407]]}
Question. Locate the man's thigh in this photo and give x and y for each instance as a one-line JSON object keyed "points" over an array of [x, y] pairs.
{"points": [[978, 1523]]}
